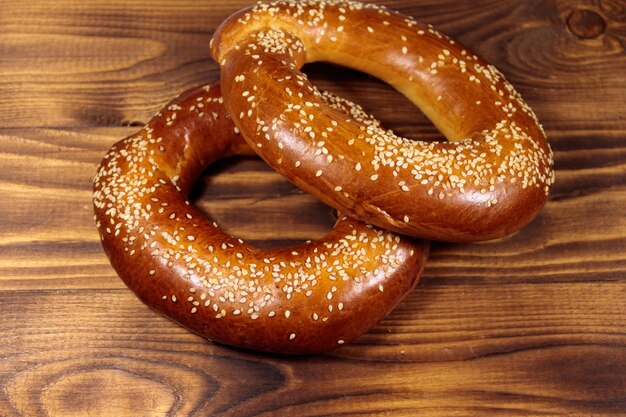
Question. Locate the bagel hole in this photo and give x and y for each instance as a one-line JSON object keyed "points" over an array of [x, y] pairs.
{"points": [[249, 200], [378, 98]]}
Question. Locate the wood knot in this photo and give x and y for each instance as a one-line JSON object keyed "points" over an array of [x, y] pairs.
{"points": [[586, 24]]}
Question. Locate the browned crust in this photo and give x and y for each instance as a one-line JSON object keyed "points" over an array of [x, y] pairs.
{"points": [[306, 299], [489, 179]]}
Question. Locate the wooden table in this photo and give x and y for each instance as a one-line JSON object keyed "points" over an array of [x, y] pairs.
{"points": [[534, 324]]}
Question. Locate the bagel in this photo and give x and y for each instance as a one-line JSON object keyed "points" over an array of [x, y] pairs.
{"points": [[305, 299], [488, 179]]}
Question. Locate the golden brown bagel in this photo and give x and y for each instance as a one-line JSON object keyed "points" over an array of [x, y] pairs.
{"points": [[488, 180], [305, 299]]}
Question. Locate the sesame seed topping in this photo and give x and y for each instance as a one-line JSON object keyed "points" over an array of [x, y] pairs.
{"points": [[231, 283]]}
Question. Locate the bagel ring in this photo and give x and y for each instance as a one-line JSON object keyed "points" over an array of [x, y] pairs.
{"points": [[490, 178], [305, 299]]}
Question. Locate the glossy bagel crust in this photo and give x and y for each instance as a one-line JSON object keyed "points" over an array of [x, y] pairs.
{"points": [[305, 299], [490, 178]]}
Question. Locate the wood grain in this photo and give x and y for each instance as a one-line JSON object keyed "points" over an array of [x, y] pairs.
{"points": [[534, 324], [549, 354]]}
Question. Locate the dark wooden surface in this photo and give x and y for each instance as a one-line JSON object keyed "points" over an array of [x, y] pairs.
{"points": [[534, 324]]}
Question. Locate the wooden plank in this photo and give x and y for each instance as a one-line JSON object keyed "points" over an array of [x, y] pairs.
{"points": [[501, 350], [110, 63], [51, 242]]}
